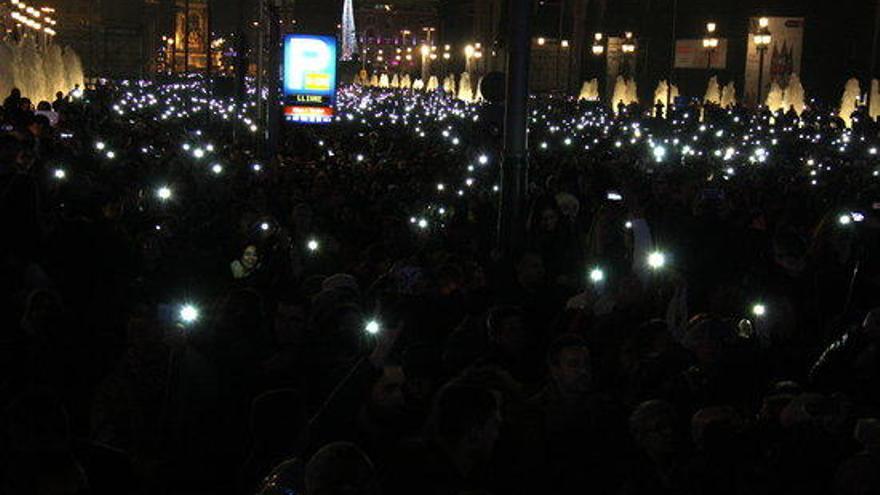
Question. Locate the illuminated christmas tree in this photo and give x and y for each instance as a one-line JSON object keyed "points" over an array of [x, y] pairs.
{"points": [[349, 34]]}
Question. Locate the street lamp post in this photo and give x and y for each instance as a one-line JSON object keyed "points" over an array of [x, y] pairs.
{"points": [[469, 52], [762, 42], [599, 51], [426, 54], [710, 43], [628, 48], [672, 59]]}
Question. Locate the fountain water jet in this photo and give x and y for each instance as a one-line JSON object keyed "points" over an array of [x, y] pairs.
{"points": [[713, 92], [464, 88], [728, 96], [38, 72], [795, 96], [449, 84], [662, 92], [852, 94], [433, 84], [775, 98], [589, 91], [875, 99]]}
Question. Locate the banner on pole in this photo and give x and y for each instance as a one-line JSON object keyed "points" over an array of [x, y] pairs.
{"points": [[690, 54], [781, 59]]}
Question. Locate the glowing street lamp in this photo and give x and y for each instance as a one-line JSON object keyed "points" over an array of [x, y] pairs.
{"points": [[762, 40], [710, 43], [598, 46], [628, 47]]}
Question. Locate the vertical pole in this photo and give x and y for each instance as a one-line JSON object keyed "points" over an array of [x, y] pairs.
{"points": [[240, 64], [261, 28], [671, 61], [174, 39], [186, 38], [760, 74], [273, 105], [514, 166], [872, 66], [261, 55], [208, 49], [209, 63], [559, 39]]}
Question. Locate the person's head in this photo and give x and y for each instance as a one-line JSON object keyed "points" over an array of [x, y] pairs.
{"points": [[715, 428], [548, 218], [15, 93], [507, 330], [44, 106], [568, 205], [449, 278], [652, 426], [466, 420], [530, 270], [707, 337], [386, 395], [250, 257], [569, 361], [59, 95], [339, 468]]}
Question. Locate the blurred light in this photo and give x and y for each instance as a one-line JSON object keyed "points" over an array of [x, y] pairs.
{"points": [[656, 260], [759, 310], [372, 327], [189, 314]]}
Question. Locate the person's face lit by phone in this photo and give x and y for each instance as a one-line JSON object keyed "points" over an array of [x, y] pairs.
{"points": [[250, 258]]}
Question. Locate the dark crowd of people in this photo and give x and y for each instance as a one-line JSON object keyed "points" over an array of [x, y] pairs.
{"points": [[691, 310]]}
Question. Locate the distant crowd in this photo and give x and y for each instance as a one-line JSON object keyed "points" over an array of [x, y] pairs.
{"points": [[692, 310]]}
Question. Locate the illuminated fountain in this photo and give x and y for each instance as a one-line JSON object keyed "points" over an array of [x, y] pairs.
{"points": [[449, 84], [775, 98], [374, 81], [620, 94], [418, 85], [465, 93], [479, 95], [384, 82], [39, 72], [662, 92], [406, 82], [852, 94], [395, 81], [713, 92], [795, 96], [875, 99], [433, 84], [632, 92], [589, 91], [728, 96]]}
